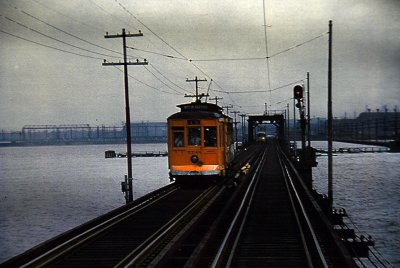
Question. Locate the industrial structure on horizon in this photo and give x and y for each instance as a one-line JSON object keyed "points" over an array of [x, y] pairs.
{"points": [[368, 126]]}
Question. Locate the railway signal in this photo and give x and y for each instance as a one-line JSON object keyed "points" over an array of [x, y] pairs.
{"points": [[298, 92]]}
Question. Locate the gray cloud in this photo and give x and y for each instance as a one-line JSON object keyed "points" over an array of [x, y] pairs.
{"points": [[39, 85]]}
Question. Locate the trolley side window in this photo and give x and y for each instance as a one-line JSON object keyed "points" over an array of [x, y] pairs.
{"points": [[178, 134], [210, 136], [194, 136]]}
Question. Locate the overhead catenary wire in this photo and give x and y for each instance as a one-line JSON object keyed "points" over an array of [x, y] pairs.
{"points": [[162, 81], [158, 71], [298, 45], [182, 57], [67, 16], [70, 34], [110, 14], [59, 29], [233, 59], [157, 53], [191, 60], [143, 83], [266, 50], [258, 91], [165, 42], [51, 47], [150, 30], [55, 39]]}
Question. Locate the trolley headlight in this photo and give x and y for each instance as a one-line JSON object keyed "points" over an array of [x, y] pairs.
{"points": [[194, 159]]}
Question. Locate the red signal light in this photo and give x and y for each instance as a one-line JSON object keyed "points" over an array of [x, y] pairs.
{"points": [[298, 92]]}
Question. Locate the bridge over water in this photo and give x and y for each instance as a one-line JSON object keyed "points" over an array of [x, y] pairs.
{"points": [[267, 216]]}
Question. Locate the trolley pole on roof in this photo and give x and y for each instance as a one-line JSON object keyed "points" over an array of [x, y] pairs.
{"points": [[129, 198]]}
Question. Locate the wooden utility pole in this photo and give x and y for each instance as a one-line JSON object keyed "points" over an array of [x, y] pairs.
{"points": [[216, 99], [308, 111], [197, 88], [227, 108], [236, 132], [288, 122], [243, 116], [330, 119], [124, 35]]}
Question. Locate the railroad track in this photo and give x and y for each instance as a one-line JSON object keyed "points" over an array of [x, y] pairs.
{"points": [[134, 235], [179, 243], [106, 241], [270, 226], [257, 221]]}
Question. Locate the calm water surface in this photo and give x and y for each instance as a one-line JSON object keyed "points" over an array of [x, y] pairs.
{"points": [[48, 190], [367, 186]]}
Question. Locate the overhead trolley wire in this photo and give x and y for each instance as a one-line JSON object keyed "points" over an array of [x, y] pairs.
{"points": [[266, 48], [67, 33], [183, 57], [143, 83], [55, 39], [257, 91], [162, 81], [158, 71], [165, 42], [157, 53], [109, 13], [298, 45], [67, 16], [233, 59], [144, 25], [47, 46]]}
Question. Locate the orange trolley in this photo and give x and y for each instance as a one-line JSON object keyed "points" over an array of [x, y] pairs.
{"points": [[200, 143]]}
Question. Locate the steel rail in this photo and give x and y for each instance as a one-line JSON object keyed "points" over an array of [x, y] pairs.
{"points": [[296, 198], [242, 213], [243, 208], [343, 254], [159, 243], [72, 243]]}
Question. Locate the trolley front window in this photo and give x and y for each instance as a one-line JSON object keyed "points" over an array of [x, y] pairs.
{"points": [[194, 136], [210, 136], [177, 134]]}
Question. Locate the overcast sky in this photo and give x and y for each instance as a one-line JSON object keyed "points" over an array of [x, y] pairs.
{"points": [[51, 54]]}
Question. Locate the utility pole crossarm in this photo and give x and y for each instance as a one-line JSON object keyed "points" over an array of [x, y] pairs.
{"points": [[216, 99], [197, 87], [122, 35], [128, 63], [227, 108]]}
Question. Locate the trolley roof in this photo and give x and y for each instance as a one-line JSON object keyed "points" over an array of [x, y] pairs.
{"points": [[196, 110]]}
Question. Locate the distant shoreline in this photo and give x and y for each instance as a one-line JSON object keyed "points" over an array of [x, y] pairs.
{"points": [[66, 143]]}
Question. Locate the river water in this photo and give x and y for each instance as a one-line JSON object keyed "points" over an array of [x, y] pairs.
{"points": [[47, 190]]}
